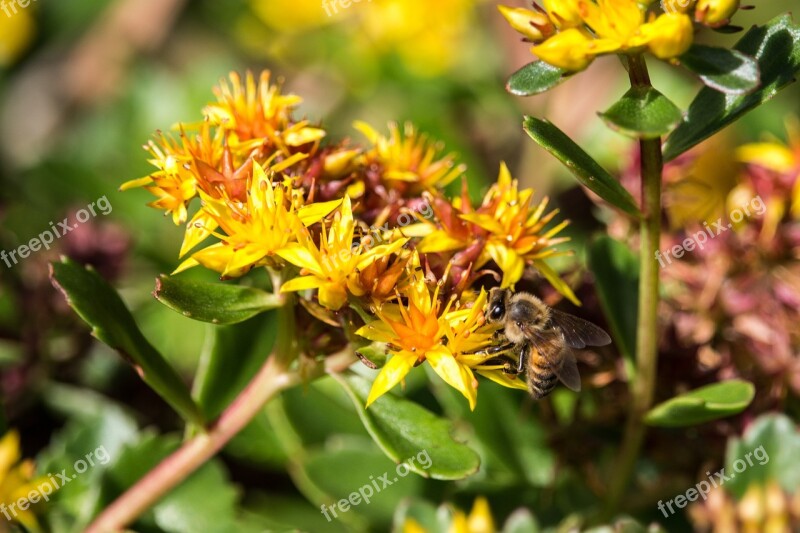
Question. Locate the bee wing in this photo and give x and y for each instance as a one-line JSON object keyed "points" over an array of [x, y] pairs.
{"points": [[579, 333], [567, 371]]}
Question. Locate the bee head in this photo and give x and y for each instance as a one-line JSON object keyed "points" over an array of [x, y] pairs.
{"points": [[496, 307]]}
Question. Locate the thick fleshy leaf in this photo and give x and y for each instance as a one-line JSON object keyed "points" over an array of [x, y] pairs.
{"points": [[583, 167], [642, 113], [703, 405], [776, 49], [403, 429], [769, 450], [218, 303], [535, 78], [616, 273], [99, 305], [725, 70]]}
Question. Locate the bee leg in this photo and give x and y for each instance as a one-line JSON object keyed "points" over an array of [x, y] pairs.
{"points": [[523, 357], [491, 350], [509, 369]]}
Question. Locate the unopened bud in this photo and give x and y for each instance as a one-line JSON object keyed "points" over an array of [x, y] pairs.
{"points": [[533, 25]]}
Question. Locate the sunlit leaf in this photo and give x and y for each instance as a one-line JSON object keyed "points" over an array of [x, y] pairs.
{"points": [[583, 167], [703, 405]]}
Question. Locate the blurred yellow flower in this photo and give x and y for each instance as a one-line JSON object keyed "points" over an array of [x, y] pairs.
{"points": [[782, 159], [428, 37], [588, 29], [697, 191], [479, 520], [17, 29], [333, 267], [16, 482], [255, 230]]}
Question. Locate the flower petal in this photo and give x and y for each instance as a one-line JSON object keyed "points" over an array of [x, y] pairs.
{"points": [[456, 375], [391, 374]]}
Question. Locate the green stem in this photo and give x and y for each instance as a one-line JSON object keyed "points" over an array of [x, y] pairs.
{"points": [[643, 384]]}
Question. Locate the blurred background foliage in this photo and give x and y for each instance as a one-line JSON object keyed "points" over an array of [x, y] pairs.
{"points": [[84, 83]]}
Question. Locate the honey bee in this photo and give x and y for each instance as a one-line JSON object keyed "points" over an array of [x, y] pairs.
{"points": [[529, 323]]}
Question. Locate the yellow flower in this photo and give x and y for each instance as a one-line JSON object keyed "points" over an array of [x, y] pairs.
{"points": [[588, 29], [259, 116], [668, 36], [563, 13], [479, 520], [697, 191], [514, 230], [409, 162], [17, 29], [256, 229], [333, 267], [16, 481], [423, 329], [532, 24], [175, 183], [715, 12], [782, 159]]}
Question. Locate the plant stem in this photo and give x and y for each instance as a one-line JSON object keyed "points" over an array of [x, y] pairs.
{"points": [[269, 381], [643, 384], [272, 378]]}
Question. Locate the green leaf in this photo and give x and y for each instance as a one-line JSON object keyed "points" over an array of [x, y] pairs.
{"points": [[421, 511], [642, 113], [776, 48], [99, 305], [583, 167], [535, 78], [509, 451], [703, 405], [231, 357], [351, 471], [521, 521], [616, 272], [724, 70], [770, 448], [218, 303], [404, 430], [276, 512]]}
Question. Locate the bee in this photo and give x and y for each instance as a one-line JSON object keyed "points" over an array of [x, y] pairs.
{"points": [[529, 323]]}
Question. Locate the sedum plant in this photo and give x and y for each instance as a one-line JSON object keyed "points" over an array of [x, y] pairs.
{"points": [[368, 257]]}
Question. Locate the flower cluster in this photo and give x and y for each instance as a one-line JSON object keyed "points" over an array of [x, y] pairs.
{"points": [[332, 222], [569, 34]]}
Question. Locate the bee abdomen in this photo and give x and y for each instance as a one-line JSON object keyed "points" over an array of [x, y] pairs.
{"points": [[541, 382]]}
